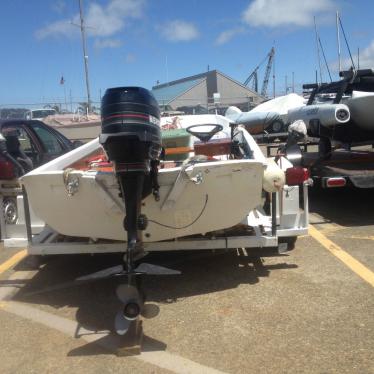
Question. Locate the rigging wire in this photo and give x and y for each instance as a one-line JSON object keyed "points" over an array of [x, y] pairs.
{"points": [[324, 57], [346, 42]]}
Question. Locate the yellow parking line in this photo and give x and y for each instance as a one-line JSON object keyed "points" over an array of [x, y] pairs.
{"points": [[356, 266], [12, 261]]}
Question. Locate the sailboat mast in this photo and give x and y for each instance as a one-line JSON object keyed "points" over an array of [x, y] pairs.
{"points": [[338, 39], [274, 76], [85, 56], [318, 56]]}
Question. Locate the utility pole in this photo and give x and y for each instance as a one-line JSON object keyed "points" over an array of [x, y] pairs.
{"points": [[85, 56], [66, 104], [71, 101]]}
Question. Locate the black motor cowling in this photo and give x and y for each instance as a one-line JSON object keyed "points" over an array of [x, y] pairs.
{"points": [[130, 125], [132, 139]]}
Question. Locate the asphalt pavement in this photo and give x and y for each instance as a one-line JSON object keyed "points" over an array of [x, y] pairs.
{"points": [[309, 311]]}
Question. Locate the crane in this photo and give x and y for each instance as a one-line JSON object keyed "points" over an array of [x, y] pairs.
{"points": [[254, 76]]}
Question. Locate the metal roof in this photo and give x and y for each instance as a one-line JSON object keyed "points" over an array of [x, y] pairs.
{"points": [[167, 93]]}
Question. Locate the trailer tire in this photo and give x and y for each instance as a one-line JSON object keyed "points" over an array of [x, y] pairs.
{"points": [[276, 126]]}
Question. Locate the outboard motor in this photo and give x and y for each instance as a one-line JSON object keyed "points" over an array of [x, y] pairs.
{"points": [[132, 139], [131, 136]]}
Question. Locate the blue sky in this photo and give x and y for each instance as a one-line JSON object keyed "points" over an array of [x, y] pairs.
{"points": [[139, 42]]}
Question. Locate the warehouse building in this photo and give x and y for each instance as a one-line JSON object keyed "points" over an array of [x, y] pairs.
{"points": [[207, 92]]}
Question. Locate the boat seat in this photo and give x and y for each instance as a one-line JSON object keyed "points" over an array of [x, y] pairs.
{"points": [[215, 147], [177, 143]]}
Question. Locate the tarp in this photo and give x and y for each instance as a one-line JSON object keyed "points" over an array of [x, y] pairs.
{"points": [[280, 104]]}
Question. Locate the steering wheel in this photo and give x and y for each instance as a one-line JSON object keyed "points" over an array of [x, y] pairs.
{"points": [[204, 132]]}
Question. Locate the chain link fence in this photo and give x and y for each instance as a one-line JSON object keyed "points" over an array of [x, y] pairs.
{"points": [[43, 109], [179, 106]]}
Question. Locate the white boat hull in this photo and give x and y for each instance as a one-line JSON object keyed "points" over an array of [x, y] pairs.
{"points": [[195, 198], [228, 190]]}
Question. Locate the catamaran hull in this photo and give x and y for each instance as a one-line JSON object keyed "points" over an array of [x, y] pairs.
{"points": [[360, 127], [361, 106], [328, 115]]}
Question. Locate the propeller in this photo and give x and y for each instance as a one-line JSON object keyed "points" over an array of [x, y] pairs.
{"points": [[134, 306], [133, 303], [130, 297]]}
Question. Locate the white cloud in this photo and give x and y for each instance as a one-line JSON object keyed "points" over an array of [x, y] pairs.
{"points": [[179, 30], [274, 13], [366, 59], [100, 20], [107, 43], [63, 27], [227, 35]]}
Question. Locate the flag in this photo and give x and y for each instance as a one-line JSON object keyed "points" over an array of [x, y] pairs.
{"points": [[62, 80]]}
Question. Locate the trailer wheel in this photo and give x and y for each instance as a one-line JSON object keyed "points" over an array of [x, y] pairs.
{"points": [[9, 210], [276, 126]]}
